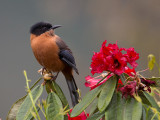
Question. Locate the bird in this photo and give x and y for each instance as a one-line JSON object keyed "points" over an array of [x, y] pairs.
{"points": [[54, 55]]}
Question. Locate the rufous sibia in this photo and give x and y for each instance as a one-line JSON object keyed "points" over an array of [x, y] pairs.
{"points": [[53, 54]]}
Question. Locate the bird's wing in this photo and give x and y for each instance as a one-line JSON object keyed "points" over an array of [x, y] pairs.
{"points": [[68, 58]]}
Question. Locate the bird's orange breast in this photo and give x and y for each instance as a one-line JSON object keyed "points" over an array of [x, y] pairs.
{"points": [[46, 52]]}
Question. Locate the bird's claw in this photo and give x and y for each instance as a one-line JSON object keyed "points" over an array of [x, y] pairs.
{"points": [[47, 75]]}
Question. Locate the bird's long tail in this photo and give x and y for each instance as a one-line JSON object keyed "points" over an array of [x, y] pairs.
{"points": [[72, 89]]}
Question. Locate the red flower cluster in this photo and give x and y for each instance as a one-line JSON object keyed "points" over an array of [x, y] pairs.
{"points": [[82, 116], [110, 58]]}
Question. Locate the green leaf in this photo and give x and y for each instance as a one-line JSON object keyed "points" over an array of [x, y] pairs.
{"points": [[127, 109], [49, 86], [152, 115], [60, 94], [119, 106], [124, 77], [143, 113], [151, 61], [143, 98], [87, 100], [137, 110], [121, 109], [152, 101], [14, 109], [114, 110], [54, 111], [30, 117], [149, 114], [26, 107], [94, 107], [96, 116], [107, 93]]}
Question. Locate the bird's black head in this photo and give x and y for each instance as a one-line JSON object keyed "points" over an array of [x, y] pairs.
{"points": [[41, 27]]}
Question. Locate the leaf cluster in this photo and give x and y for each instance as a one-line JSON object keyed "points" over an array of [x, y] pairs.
{"points": [[55, 107], [110, 105]]}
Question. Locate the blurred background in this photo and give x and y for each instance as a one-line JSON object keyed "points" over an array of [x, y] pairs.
{"points": [[86, 24]]}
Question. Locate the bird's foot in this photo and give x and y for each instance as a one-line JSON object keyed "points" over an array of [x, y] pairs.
{"points": [[43, 71], [47, 75]]}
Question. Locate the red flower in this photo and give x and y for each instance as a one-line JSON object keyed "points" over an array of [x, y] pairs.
{"points": [[109, 58], [117, 63], [92, 82], [132, 56], [105, 50], [98, 63], [130, 72], [82, 116], [120, 83], [129, 89]]}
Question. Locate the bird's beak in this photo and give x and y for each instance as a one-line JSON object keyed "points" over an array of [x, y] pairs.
{"points": [[56, 26]]}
